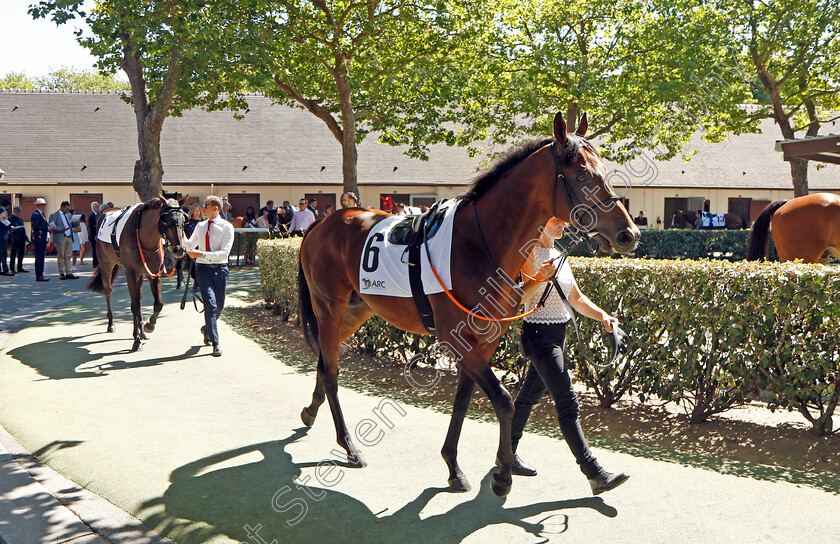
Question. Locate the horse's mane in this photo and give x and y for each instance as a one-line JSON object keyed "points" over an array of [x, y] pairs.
{"points": [[506, 162]]}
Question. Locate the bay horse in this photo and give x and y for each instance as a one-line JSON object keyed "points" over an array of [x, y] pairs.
{"points": [[148, 228], [685, 220], [557, 176], [805, 227]]}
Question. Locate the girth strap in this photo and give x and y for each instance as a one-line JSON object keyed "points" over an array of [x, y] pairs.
{"points": [[114, 242]]}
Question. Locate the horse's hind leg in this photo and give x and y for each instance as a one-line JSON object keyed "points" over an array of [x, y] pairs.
{"points": [[449, 452], [357, 313], [154, 283]]}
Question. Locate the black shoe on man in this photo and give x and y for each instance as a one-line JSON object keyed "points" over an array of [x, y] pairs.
{"points": [[519, 467], [23, 270], [71, 277], [42, 278]]}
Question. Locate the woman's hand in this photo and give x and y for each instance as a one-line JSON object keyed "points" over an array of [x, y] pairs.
{"points": [[609, 322], [547, 270]]}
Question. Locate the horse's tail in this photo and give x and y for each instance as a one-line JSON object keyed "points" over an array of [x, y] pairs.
{"points": [[307, 314], [760, 235], [95, 282]]}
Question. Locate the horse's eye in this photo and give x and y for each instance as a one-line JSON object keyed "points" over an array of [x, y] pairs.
{"points": [[581, 178]]}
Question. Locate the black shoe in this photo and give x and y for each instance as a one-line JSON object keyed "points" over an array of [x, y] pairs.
{"points": [[23, 270], [204, 334], [42, 278], [62, 277], [217, 351], [606, 481], [519, 468], [11, 273], [71, 277]]}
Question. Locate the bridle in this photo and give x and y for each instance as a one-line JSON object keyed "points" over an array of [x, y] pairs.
{"points": [[580, 208], [170, 216]]}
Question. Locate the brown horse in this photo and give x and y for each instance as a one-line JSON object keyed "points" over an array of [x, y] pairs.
{"points": [[805, 227], [557, 176], [140, 250], [685, 220]]}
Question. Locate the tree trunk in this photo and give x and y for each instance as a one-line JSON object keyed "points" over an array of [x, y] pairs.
{"points": [[349, 153], [799, 174], [148, 170]]}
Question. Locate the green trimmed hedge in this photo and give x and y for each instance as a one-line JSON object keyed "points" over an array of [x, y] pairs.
{"points": [[730, 245], [705, 334]]}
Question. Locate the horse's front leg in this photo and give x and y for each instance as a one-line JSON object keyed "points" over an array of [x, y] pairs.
{"points": [[154, 283], [503, 405], [135, 288], [449, 452]]}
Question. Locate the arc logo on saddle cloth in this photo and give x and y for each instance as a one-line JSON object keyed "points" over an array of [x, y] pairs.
{"points": [[384, 264], [115, 220]]}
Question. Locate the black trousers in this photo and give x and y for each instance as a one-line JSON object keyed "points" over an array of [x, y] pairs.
{"points": [[3, 253], [40, 254], [542, 345], [18, 252]]}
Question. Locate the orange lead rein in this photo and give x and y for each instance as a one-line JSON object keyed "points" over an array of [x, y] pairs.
{"points": [[470, 312], [160, 252]]}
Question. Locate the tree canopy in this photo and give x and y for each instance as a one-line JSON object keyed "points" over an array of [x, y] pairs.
{"points": [[65, 79]]}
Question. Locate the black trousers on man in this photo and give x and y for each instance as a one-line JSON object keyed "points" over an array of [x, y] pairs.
{"points": [[542, 345], [18, 252], [4, 267], [40, 254]]}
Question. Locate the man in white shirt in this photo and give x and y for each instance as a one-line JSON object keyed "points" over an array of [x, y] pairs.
{"points": [[302, 219], [210, 246]]}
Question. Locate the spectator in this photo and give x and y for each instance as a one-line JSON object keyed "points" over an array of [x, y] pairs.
{"points": [[194, 217], [401, 208], [83, 240], [641, 221], [250, 219], [40, 231], [313, 207], [271, 212], [94, 215], [349, 200], [5, 229], [226, 213], [328, 210], [62, 237], [302, 220], [698, 220], [19, 240]]}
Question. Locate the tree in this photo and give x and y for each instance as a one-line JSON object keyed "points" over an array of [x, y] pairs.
{"points": [[363, 66], [65, 79], [791, 47], [165, 49], [635, 66]]}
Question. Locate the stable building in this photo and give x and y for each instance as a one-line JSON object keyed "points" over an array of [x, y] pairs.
{"points": [[82, 146]]}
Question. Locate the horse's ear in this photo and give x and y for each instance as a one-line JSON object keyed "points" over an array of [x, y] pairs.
{"points": [[583, 125], [560, 128], [183, 200]]}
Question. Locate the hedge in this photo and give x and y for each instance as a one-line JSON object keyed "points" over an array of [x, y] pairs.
{"points": [[730, 245], [707, 335]]}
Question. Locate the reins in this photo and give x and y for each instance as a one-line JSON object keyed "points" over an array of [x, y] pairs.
{"points": [[159, 251]]}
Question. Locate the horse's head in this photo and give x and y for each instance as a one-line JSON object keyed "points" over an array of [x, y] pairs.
{"points": [[171, 226], [583, 194]]}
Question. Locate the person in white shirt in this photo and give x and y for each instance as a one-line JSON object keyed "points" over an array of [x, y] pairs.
{"points": [[543, 337], [210, 245], [302, 219]]}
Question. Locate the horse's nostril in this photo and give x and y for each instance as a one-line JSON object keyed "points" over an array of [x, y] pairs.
{"points": [[624, 238]]}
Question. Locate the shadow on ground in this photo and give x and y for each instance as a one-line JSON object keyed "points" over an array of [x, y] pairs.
{"points": [[263, 497]]}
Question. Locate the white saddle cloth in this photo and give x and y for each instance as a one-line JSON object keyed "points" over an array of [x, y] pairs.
{"points": [[110, 223], [384, 266]]}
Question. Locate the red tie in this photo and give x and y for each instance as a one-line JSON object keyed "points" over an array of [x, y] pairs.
{"points": [[207, 236]]}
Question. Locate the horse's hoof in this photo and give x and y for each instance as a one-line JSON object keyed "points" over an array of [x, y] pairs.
{"points": [[307, 419], [137, 346], [112, 328], [143, 336], [356, 460], [459, 484], [148, 327], [501, 487]]}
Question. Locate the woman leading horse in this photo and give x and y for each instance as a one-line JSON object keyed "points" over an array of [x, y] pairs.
{"points": [[806, 227], [560, 177], [140, 250]]}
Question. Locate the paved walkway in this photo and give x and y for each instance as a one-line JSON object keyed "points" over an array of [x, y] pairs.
{"points": [[205, 449]]}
